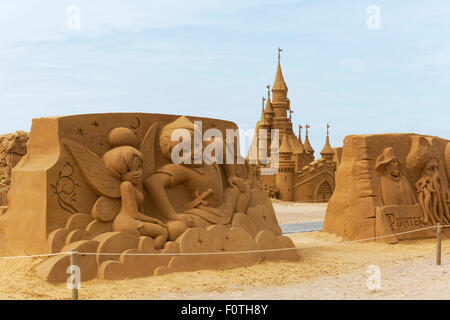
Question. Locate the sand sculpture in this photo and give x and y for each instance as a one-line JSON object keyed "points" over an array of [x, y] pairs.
{"points": [[106, 183], [390, 183], [12, 148], [299, 177]]}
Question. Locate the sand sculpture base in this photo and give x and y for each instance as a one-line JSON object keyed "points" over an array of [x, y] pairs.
{"points": [[388, 184], [105, 183], [241, 235]]}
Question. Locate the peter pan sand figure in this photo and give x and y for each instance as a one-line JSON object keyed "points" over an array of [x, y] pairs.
{"points": [[394, 187], [118, 177], [211, 201]]}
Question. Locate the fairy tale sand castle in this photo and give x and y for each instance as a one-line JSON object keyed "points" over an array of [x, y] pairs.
{"points": [[295, 175]]}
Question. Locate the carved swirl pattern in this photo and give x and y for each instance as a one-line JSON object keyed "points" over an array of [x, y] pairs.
{"points": [[65, 188]]}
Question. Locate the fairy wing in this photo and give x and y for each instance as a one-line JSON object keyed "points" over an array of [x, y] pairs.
{"points": [[93, 168], [148, 150], [106, 209]]}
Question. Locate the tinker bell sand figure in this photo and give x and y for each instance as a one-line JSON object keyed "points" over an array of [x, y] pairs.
{"points": [[119, 177]]}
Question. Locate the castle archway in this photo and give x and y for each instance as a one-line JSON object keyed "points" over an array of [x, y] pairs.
{"points": [[323, 192]]}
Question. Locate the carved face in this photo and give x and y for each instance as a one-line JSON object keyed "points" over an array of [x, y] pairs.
{"points": [[134, 173], [431, 169], [394, 168]]}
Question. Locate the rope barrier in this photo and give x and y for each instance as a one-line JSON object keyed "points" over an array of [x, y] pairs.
{"points": [[224, 253], [37, 255]]}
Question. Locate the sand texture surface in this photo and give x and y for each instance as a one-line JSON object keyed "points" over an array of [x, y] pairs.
{"points": [[329, 269]]}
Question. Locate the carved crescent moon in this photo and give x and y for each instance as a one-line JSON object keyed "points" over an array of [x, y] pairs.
{"points": [[138, 124]]}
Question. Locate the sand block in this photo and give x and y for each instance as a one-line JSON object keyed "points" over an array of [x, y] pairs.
{"points": [[218, 239], [388, 171], [57, 240], [77, 235], [134, 266], [383, 228], [78, 221], [55, 268], [97, 227], [243, 221], [268, 240], [263, 219], [114, 242]]}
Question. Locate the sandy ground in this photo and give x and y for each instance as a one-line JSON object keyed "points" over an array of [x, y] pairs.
{"points": [[289, 212], [329, 269]]}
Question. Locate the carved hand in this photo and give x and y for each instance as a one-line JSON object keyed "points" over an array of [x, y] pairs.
{"points": [[157, 221]]}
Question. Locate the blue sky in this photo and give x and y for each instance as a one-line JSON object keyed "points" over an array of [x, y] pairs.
{"points": [[214, 59]]}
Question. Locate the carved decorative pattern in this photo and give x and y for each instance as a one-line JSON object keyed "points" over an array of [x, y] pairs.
{"points": [[65, 188]]}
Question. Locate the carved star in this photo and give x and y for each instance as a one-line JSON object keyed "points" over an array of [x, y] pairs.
{"points": [[95, 124], [80, 132]]}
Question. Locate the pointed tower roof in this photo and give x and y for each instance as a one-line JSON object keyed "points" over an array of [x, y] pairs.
{"points": [[302, 148], [296, 147], [279, 83], [307, 145], [269, 108], [327, 151], [285, 145], [263, 121]]}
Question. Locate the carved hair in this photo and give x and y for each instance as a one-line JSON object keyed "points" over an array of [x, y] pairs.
{"points": [[118, 160]]}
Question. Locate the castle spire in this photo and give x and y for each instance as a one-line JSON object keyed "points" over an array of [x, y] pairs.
{"points": [[263, 121], [269, 109], [327, 151], [279, 84], [307, 145], [285, 149], [300, 127]]}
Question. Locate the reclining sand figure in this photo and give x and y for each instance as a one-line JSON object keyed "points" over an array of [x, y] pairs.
{"points": [[211, 202]]}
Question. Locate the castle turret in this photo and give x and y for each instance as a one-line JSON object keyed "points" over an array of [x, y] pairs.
{"points": [[309, 151], [327, 151], [286, 167], [263, 149], [269, 110], [280, 102], [299, 153]]}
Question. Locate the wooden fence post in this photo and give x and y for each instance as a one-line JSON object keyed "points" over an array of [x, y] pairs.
{"points": [[438, 243], [74, 262]]}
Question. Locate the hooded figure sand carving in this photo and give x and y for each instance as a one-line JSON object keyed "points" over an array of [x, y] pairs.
{"points": [[432, 192], [211, 203], [118, 177], [394, 187]]}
